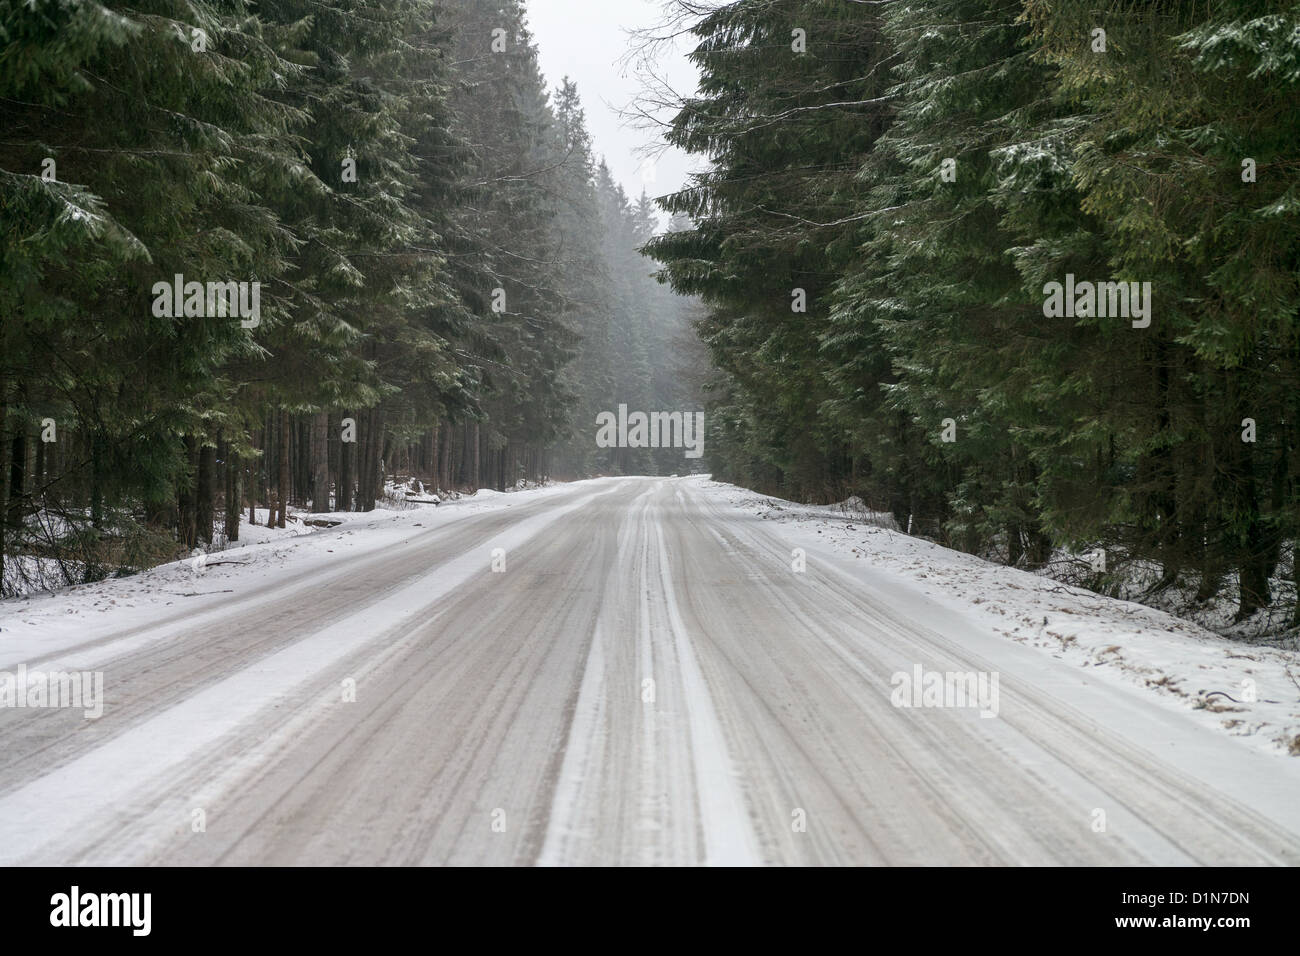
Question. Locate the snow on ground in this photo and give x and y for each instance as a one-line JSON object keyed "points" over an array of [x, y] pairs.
{"points": [[1249, 691], [771, 691], [1268, 626], [40, 624], [1177, 660]]}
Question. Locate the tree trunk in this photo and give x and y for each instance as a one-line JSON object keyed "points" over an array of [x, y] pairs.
{"points": [[97, 479], [346, 452], [205, 490], [300, 449], [4, 476], [1252, 573], [370, 477], [40, 462], [17, 485], [234, 497], [187, 525], [1251, 549], [266, 474], [332, 460], [283, 493], [252, 489], [365, 459], [365, 451], [444, 457], [431, 457], [320, 463], [1015, 547], [475, 475]]}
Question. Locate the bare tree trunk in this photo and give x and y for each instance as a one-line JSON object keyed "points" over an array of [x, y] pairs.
{"points": [[431, 456], [97, 478], [304, 475], [4, 475], [474, 460], [40, 462], [187, 526], [1252, 550], [385, 456], [346, 451], [377, 467], [252, 489], [332, 447], [365, 449], [369, 477], [283, 494], [203, 493], [295, 484], [17, 483], [271, 462], [374, 452], [320, 463], [444, 458], [234, 496], [266, 475], [300, 472], [1015, 546]]}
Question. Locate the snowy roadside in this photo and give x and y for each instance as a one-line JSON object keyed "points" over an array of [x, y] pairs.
{"points": [[1247, 691], [37, 625]]}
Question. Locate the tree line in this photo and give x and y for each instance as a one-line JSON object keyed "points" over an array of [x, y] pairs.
{"points": [[441, 269], [893, 188]]}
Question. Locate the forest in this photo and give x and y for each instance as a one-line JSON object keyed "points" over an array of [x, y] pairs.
{"points": [[899, 200], [1023, 274], [446, 278]]}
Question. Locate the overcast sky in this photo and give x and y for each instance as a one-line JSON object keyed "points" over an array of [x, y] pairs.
{"points": [[586, 40]]}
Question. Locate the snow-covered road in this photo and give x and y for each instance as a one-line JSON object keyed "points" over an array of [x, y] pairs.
{"points": [[646, 679]]}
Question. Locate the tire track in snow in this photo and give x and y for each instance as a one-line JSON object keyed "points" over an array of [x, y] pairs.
{"points": [[52, 806], [566, 830], [729, 838], [1205, 825], [688, 763], [180, 657]]}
